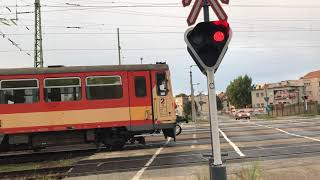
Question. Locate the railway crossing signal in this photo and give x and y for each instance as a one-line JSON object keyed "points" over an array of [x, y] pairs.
{"points": [[208, 42], [186, 2], [198, 4]]}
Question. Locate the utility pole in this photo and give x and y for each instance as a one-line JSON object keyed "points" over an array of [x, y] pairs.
{"points": [[193, 108], [119, 47], [267, 98], [200, 101], [16, 10], [38, 52]]}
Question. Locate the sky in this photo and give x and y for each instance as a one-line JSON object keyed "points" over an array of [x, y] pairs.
{"points": [[273, 40]]}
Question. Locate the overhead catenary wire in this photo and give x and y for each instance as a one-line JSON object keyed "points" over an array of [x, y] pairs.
{"points": [[136, 10], [4, 36], [161, 32], [163, 5], [170, 49]]}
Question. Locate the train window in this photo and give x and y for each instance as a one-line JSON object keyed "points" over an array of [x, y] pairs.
{"points": [[19, 91], [140, 86], [162, 87], [104, 87], [62, 89]]}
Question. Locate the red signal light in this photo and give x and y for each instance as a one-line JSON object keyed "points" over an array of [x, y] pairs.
{"points": [[221, 22], [218, 36]]}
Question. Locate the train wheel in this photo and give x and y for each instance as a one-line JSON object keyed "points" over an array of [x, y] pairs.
{"points": [[178, 129], [36, 149], [114, 142], [141, 140], [118, 145]]}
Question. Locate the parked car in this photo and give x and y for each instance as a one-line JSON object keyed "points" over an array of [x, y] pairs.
{"points": [[242, 115]]}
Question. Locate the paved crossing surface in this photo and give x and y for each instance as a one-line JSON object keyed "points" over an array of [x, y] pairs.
{"points": [[241, 141]]}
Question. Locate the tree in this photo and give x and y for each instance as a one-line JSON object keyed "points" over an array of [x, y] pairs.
{"points": [[239, 91], [181, 95], [219, 104], [187, 109]]}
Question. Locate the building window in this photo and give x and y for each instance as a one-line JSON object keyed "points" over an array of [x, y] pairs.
{"points": [[140, 86], [19, 91], [104, 87], [262, 105], [162, 84], [258, 105], [262, 94], [257, 94], [62, 89]]}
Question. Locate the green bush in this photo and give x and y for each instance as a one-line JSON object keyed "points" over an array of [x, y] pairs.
{"points": [[250, 173]]}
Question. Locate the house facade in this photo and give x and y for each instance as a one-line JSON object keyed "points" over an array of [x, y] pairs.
{"points": [[288, 92]]}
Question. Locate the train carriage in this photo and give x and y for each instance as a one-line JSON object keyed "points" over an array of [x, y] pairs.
{"points": [[103, 104]]}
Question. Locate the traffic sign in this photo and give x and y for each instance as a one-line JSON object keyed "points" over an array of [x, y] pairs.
{"points": [[268, 108], [215, 5], [225, 1], [195, 12], [186, 2], [218, 10], [207, 43]]}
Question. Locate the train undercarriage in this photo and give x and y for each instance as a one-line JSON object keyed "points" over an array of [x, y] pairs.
{"points": [[107, 138]]}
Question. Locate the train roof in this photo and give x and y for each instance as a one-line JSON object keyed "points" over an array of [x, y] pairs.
{"points": [[77, 69]]}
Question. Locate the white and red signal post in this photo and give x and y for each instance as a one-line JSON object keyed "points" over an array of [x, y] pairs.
{"points": [[207, 43], [196, 8]]}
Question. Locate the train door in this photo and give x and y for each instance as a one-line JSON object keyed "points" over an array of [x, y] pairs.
{"points": [[163, 101], [140, 101]]}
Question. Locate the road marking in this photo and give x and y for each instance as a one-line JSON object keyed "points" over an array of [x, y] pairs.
{"points": [[139, 173], [100, 164], [235, 147], [292, 134], [194, 136]]}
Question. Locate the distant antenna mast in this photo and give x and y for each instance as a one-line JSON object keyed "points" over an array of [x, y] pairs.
{"points": [[38, 53]]}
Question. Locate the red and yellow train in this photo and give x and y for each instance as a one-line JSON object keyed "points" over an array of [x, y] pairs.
{"points": [[41, 107]]}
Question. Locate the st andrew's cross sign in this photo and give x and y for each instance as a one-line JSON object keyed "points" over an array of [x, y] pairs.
{"points": [[198, 4]]}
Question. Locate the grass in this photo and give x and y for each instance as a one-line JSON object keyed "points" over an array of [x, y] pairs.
{"points": [[252, 172], [308, 115], [44, 177], [264, 116], [202, 177]]}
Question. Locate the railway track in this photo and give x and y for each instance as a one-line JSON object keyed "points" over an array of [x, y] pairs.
{"points": [[27, 157], [101, 166], [189, 157], [44, 173], [118, 165]]}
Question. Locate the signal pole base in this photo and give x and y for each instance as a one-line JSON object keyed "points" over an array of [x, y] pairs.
{"points": [[217, 172]]}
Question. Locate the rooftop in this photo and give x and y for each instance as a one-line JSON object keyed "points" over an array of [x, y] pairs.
{"points": [[311, 75]]}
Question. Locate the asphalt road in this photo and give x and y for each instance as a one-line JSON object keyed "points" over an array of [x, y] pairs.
{"points": [[241, 141]]}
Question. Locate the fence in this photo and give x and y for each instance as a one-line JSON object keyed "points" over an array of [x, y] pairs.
{"points": [[295, 109]]}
